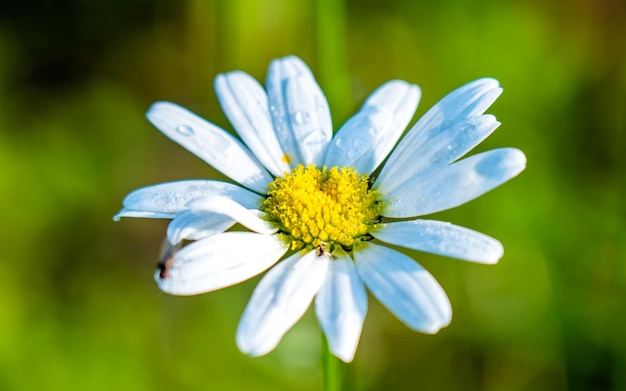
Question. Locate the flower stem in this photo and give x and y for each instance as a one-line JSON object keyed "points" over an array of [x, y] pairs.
{"points": [[332, 57], [330, 365]]}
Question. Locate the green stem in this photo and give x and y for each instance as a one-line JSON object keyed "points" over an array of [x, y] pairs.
{"points": [[332, 57], [330, 364]]}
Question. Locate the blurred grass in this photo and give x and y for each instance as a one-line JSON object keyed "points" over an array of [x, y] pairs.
{"points": [[78, 308]]}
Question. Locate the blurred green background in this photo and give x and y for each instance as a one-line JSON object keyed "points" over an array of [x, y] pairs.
{"points": [[78, 307]]}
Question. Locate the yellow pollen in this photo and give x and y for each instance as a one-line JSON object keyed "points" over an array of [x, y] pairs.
{"points": [[321, 208]]}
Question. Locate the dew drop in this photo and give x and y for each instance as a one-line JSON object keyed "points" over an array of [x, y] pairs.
{"points": [[185, 130], [356, 148], [301, 118], [467, 128]]}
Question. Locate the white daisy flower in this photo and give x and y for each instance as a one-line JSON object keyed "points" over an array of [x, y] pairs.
{"points": [[312, 196]]}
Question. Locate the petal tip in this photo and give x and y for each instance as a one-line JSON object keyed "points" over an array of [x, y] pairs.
{"points": [[496, 255], [516, 159], [158, 106]]}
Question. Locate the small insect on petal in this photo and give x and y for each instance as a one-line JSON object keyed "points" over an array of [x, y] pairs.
{"points": [[166, 258]]}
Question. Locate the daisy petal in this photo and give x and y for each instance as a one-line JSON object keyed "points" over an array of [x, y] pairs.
{"points": [[279, 301], [404, 287], [234, 210], [470, 100], [210, 143], [220, 261], [195, 225], [341, 305], [455, 184], [438, 151], [245, 104], [299, 110], [142, 214], [366, 139], [166, 200], [441, 238]]}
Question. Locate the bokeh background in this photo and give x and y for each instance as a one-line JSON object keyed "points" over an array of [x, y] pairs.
{"points": [[78, 307]]}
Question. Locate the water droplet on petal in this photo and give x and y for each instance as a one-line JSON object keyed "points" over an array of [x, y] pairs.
{"points": [[301, 118], [357, 149], [185, 130]]}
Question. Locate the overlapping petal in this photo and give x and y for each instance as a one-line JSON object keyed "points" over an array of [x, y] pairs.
{"points": [[341, 306], [244, 216], [299, 111], [207, 216], [280, 300], [404, 287], [245, 104], [219, 261], [366, 139], [210, 143], [166, 200], [438, 151], [441, 238], [470, 100], [453, 185], [195, 225]]}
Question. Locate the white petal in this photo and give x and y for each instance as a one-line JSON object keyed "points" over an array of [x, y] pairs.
{"points": [[441, 238], [279, 301], [219, 261], [194, 225], [341, 306], [470, 100], [299, 110], [438, 151], [227, 207], [210, 143], [166, 200], [142, 214], [455, 184], [366, 139], [245, 104], [404, 287]]}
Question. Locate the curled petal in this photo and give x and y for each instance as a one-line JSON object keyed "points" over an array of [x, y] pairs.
{"points": [[195, 225], [404, 287], [210, 143], [168, 199], [219, 261], [441, 238], [279, 301], [225, 206], [142, 214]]}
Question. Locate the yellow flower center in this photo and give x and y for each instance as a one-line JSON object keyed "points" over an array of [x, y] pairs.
{"points": [[321, 208]]}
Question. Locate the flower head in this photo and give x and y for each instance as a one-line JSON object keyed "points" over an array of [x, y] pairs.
{"points": [[311, 197]]}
